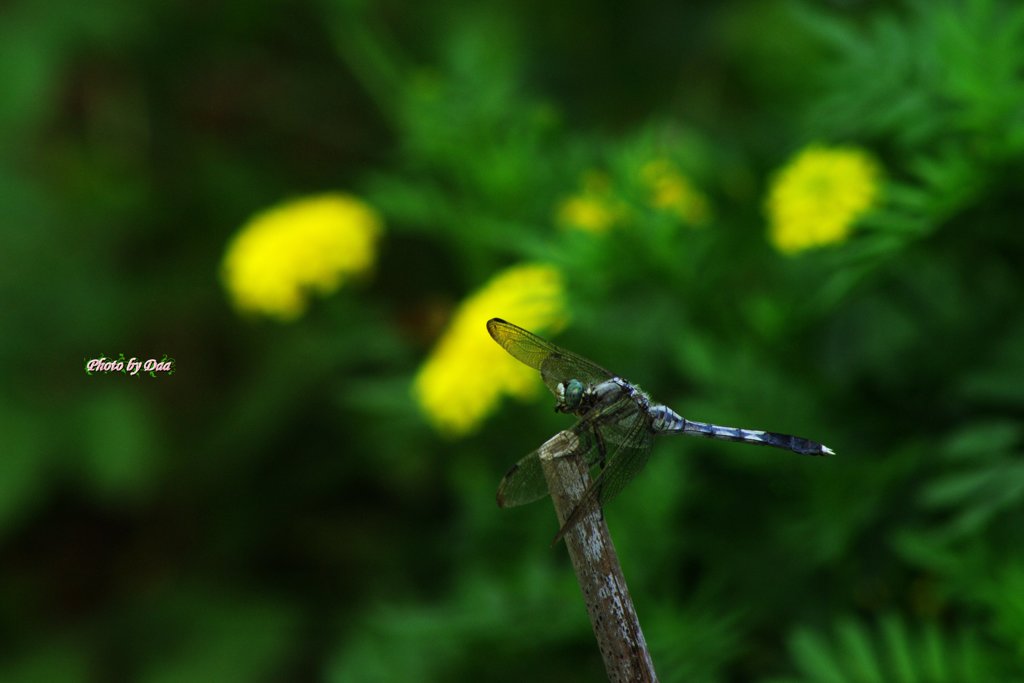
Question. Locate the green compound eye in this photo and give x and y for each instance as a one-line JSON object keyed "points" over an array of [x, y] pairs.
{"points": [[572, 394]]}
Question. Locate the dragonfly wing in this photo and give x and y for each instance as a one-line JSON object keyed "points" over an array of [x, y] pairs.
{"points": [[629, 443], [525, 482], [556, 365]]}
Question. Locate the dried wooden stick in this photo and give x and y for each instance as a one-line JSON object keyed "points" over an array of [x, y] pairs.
{"points": [[612, 616]]}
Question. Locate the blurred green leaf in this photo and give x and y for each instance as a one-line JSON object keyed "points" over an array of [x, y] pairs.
{"points": [[120, 453], [922, 655], [984, 439], [60, 661], [25, 467], [219, 637]]}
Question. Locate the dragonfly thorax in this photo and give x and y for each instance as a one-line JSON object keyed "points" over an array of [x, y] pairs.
{"points": [[580, 399]]}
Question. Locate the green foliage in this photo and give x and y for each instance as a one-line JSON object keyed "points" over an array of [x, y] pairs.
{"points": [[891, 653], [436, 641], [939, 68], [280, 510], [939, 85], [202, 636]]}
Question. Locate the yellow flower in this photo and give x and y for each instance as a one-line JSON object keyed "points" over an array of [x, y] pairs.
{"points": [[592, 209], [466, 374], [584, 213], [817, 197], [310, 244], [673, 192]]}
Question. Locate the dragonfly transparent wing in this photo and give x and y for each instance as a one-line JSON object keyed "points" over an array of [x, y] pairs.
{"points": [[525, 482], [629, 443], [556, 365]]}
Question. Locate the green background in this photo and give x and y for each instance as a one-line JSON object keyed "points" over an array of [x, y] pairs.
{"points": [[279, 509]]}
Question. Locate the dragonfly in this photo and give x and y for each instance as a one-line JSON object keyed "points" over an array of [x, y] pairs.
{"points": [[616, 427]]}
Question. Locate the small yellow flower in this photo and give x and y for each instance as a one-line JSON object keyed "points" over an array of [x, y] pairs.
{"points": [[592, 209], [585, 213], [466, 374], [816, 198], [673, 192], [310, 244]]}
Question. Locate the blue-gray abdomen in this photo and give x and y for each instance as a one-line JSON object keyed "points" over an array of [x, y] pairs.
{"points": [[664, 419]]}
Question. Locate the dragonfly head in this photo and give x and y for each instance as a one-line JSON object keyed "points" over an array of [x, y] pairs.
{"points": [[569, 395]]}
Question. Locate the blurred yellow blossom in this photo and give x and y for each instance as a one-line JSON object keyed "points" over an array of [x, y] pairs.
{"points": [[672, 191], [466, 374], [816, 198], [305, 245], [593, 209]]}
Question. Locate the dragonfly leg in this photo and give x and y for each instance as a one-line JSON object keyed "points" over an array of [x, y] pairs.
{"points": [[602, 459], [601, 448]]}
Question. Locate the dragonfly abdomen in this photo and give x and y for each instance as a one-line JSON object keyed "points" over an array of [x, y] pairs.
{"points": [[664, 419], [787, 442]]}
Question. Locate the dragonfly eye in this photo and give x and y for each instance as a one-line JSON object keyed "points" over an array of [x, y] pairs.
{"points": [[572, 394]]}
